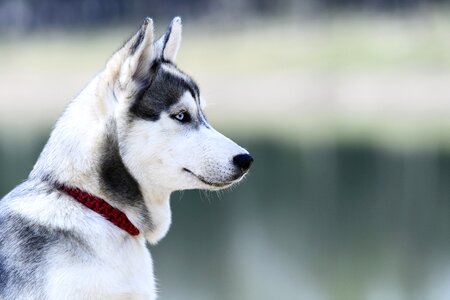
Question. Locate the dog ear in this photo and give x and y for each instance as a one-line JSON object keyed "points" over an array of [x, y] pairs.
{"points": [[137, 55], [167, 46], [130, 65]]}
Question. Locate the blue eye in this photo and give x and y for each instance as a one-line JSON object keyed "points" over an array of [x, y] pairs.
{"points": [[182, 117]]}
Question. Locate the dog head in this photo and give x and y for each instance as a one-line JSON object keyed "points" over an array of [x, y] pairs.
{"points": [[163, 135]]}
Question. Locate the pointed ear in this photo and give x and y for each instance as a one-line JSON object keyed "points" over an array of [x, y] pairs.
{"points": [[137, 54], [167, 46], [130, 65]]}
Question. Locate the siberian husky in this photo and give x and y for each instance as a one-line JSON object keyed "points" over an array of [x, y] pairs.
{"points": [[77, 227]]}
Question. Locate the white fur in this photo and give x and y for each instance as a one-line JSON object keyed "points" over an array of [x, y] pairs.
{"points": [[155, 153], [173, 41], [124, 272]]}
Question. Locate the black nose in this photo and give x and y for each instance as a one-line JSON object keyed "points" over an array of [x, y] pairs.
{"points": [[243, 161]]}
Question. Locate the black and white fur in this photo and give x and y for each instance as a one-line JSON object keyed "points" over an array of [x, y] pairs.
{"points": [[134, 135]]}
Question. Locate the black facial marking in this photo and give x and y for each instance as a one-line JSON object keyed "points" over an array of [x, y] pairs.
{"points": [[195, 91], [163, 91], [115, 178], [202, 118]]}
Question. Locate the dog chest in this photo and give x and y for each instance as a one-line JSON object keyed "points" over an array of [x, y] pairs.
{"points": [[114, 271]]}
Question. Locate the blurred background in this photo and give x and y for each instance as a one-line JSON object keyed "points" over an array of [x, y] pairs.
{"points": [[344, 104]]}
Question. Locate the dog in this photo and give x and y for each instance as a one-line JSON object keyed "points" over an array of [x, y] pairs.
{"points": [[77, 227]]}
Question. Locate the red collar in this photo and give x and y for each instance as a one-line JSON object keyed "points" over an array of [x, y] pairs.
{"points": [[101, 207]]}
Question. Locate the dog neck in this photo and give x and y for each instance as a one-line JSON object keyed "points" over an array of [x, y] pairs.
{"points": [[83, 152]]}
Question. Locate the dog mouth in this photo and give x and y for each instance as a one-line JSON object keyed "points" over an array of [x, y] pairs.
{"points": [[210, 183]]}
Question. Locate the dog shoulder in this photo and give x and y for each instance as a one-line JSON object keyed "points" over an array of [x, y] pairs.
{"points": [[46, 238], [25, 248], [26, 243]]}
